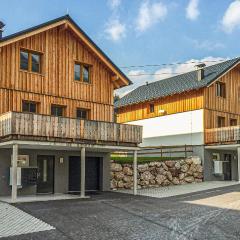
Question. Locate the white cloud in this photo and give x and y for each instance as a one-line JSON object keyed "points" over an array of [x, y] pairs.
{"points": [[114, 4], [192, 11], [115, 30], [206, 44], [231, 18], [150, 14], [165, 72]]}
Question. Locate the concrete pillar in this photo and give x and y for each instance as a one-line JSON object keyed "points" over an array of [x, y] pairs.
{"points": [[14, 172], [83, 172], [238, 157], [135, 173]]}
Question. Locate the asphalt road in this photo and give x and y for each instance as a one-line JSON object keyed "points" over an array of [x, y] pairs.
{"points": [[203, 215]]}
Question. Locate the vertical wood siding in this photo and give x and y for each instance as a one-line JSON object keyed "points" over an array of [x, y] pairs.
{"points": [[228, 107], [56, 84], [172, 104]]}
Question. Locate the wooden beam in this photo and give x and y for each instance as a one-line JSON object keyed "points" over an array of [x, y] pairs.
{"points": [[64, 27], [115, 78]]}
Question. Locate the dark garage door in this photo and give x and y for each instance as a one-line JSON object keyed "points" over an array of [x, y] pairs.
{"points": [[92, 174]]}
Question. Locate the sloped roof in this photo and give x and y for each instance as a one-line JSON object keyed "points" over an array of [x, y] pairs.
{"points": [[177, 84], [6, 39]]}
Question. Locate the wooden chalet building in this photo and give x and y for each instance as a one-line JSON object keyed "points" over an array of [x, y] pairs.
{"points": [[56, 123], [199, 108]]}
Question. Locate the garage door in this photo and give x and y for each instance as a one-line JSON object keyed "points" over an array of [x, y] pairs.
{"points": [[92, 174]]}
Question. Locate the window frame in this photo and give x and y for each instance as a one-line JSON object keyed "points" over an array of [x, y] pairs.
{"points": [[87, 113], [30, 53], [151, 107], [224, 121], [233, 120], [221, 89], [58, 106], [30, 102], [82, 65]]}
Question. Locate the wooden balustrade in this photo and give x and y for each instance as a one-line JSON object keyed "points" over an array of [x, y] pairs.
{"points": [[35, 125], [222, 135]]}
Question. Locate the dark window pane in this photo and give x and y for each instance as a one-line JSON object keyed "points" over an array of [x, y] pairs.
{"points": [[77, 72], [221, 89], [29, 107], [233, 122], [221, 122], [35, 63], [82, 113], [33, 108], [25, 107], [151, 108], [57, 111], [86, 74], [24, 60]]}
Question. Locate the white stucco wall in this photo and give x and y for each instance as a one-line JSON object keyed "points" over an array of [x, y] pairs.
{"points": [[176, 129]]}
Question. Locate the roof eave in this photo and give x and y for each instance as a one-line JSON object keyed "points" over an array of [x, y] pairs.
{"points": [[57, 22]]}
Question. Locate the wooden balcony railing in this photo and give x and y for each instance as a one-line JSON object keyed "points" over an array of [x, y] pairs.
{"points": [[222, 135], [35, 126]]}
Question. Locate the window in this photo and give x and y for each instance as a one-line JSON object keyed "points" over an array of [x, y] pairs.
{"points": [[82, 72], [233, 122], [151, 108], [30, 107], [220, 121], [82, 113], [86, 74], [30, 61], [57, 111], [221, 89], [24, 60], [77, 72], [35, 63]]}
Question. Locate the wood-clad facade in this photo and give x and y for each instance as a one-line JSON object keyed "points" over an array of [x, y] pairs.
{"points": [[214, 107], [188, 101], [55, 84], [59, 45], [228, 106]]}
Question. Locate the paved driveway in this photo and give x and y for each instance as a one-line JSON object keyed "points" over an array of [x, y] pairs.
{"points": [[201, 215]]}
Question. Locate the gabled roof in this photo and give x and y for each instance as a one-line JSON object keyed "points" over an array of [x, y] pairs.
{"points": [[177, 84], [70, 23]]}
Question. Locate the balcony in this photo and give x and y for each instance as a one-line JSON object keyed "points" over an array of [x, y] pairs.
{"points": [[27, 126], [222, 135]]}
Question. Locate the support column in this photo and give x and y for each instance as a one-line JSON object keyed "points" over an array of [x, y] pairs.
{"points": [[135, 173], [83, 173], [14, 172], [238, 157]]}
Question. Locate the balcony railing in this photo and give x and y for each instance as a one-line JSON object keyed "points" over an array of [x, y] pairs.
{"points": [[43, 127], [222, 135]]}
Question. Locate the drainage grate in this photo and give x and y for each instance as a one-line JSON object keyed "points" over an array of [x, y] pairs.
{"points": [[14, 221]]}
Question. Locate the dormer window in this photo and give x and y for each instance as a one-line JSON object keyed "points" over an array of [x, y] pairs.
{"points": [[82, 72], [30, 61]]}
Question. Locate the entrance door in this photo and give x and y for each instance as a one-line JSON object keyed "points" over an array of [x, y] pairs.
{"points": [[45, 181], [92, 174], [227, 167]]}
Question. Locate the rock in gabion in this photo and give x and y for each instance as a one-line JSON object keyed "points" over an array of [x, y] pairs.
{"points": [[157, 174]]}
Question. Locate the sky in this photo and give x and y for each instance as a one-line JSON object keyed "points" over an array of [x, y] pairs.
{"points": [[143, 32]]}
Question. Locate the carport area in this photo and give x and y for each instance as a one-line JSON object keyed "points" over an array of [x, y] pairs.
{"points": [[222, 162], [200, 215]]}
